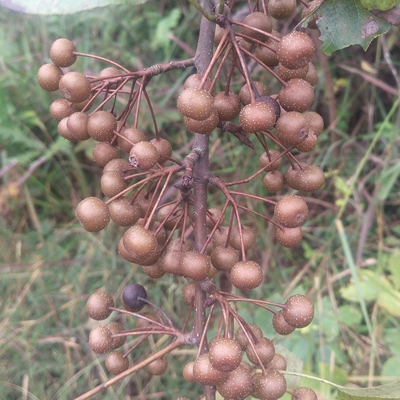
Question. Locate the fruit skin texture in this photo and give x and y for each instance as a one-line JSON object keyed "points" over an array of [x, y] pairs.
{"points": [[195, 103], [97, 305], [101, 126], [296, 50], [61, 53], [100, 340], [298, 311], [93, 214], [48, 77], [271, 386], [75, 87], [225, 354], [205, 373], [116, 363], [238, 384], [246, 275], [289, 237], [132, 296], [143, 155], [304, 393], [280, 325], [291, 211], [297, 95], [257, 117]]}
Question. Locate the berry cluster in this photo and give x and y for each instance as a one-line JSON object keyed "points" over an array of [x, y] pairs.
{"points": [[137, 170]]}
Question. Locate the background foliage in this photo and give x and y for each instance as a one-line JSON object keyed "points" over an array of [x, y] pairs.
{"points": [[349, 262]]}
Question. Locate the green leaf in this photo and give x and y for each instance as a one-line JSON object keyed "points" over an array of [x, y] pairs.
{"points": [[389, 392], [349, 315], [57, 7], [347, 22], [164, 29], [294, 364], [391, 367], [389, 178]]}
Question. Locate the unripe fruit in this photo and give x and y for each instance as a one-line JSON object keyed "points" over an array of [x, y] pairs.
{"points": [[224, 258], [296, 95], [309, 143], [241, 338], [188, 293], [225, 354], [246, 275], [157, 367], [140, 241], [267, 54], [278, 363], [100, 340], [118, 165], [193, 81], [188, 372], [289, 237], [61, 108], [312, 75], [115, 328], [264, 349], [164, 149], [143, 155], [110, 72], [238, 384], [101, 126], [154, 271], [195, 103], [244, 93], [296, 50], [123, 212], [280, 325], [314, 121], [205, 373], [291, 128], [134, 135], [304, 393], [291, 211], [48, 77], [287, 74], [75, 87], [227, 105], [132, 297], [273, 181], [259, 21], [298, 311], [194, 265], [116, 363], [308, 178], [271, 385], [248, 235], [77, 125], [281, 9], [97, 305], [104, 152], [61, 53], [63, 130], [204, 126], [265, 160], [93, 214], [257, 117]]}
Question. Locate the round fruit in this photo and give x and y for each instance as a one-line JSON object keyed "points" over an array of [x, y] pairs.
{"points": [[257, 20], [155, 270], [296, 95], [132, 297], [112, 183], [265, 160], [140, 241], [224, 258], [108, 74], [309, 143], [188, 293], [271, 102], [312, 75], [100, 340], [93, 214], [291, 211], [195, 103], [278, 363], [205, 373], [264, 349], [48, 77], [246, 275], [237, 384], [287, 74], [291, 128], [123, 212], [244, 93], [257, 117], [204, 126], [296, 50], [117, 165], [314, 122], [63, 130], [104, 152], [164, 149], [225, 354], [271, 385], [227, 105], [101, 126], [280, 325], [298, 311], [274, 181], [241, 338], [98, 304], [289, 237], [220, 236], [75, 87], [281, 9], [267, 54], [62, 53], [308, 178], [134, 136], [188, 372], [157, 367], [77, 125], [248, 235], [116, 363], [143, 155], [193, 81], [116, 328], [61, 108], [194, 265], [304, 393]]}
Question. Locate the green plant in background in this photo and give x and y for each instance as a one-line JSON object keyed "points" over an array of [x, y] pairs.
{"points": [[118, 94]]}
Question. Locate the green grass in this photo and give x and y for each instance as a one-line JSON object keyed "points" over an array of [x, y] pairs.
{"points": [[49, 265]]}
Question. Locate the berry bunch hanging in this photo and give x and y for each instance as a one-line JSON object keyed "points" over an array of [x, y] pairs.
{"points": [[181, 235]]}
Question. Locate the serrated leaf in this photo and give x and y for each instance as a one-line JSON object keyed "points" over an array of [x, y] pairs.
{"points": [[57, 7], [346, 22], [388, 392]]}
